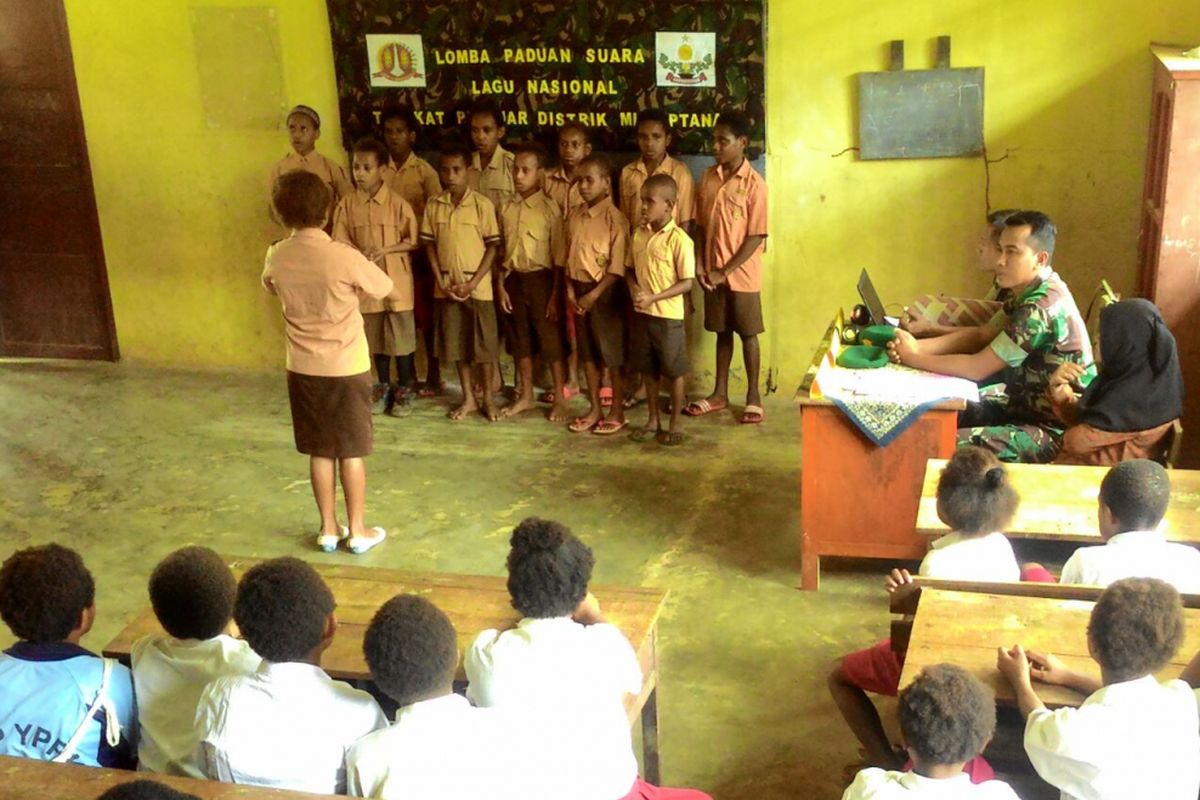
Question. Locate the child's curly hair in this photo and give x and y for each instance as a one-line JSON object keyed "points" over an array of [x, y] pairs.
{"points": [[974, 494], [548, 569], [947, 715], [1136, 627]]}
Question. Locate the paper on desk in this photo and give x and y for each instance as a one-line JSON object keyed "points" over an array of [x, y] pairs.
{"points": [[893, 383]]}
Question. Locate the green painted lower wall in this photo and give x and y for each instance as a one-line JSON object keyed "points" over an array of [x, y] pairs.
{"points": [[182, 204]]}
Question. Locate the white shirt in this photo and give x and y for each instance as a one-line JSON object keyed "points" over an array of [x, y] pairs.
{"points": [[1130, 740], [1136, 554], [877, 784], [169, 675], [569, 681], [986, 557], [441, 748], [288, 726]]}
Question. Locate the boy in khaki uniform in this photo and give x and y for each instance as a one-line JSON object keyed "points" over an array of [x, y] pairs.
{"points": [[461, 236], [653, 139], [731, 221], [382, 226], [530, 285], [416, 181], [597, 238], [491, 168], [574, 145], [304, 128], [664, 265]]}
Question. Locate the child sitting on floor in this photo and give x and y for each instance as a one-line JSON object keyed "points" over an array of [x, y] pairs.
{"points": [[566, 669], [1133, 736], [947, 717], [440, 745], [288, 725], [192, 592], [976, 500], [58, 701]]}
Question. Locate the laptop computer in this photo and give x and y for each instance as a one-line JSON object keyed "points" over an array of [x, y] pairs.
{"points": [[870, 298]]}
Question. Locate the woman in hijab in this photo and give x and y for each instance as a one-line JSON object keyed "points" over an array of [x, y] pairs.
{"points": [[1128, 409]]}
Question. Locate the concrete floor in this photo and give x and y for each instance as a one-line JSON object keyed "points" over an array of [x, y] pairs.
{"points": [[126, 463]]}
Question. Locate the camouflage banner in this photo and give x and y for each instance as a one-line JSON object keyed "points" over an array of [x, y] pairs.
{"points": [[547, 62]]}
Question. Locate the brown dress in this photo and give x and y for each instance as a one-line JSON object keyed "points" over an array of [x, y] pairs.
{"points": [[1084, 444]]}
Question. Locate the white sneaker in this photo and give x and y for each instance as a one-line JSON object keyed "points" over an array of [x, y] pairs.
{"points": [[361, 544], [329, 542]]}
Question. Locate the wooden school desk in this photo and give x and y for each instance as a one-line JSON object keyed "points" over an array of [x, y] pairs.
{"points": [[30, 779], [473, 603], [962, 623], [858, 499], [1059, 503]]}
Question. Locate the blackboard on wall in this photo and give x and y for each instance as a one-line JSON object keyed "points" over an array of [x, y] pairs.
{"points": [[928, 113]]}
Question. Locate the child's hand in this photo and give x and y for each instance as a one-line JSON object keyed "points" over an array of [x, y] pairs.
{"points": [[588, 611], [642, 299], [1062, 394], [585, 303], [903, 347], [460, 291], [896, 579], [1013, 665], [1065, 375], [375, 255], [1047, 668], [716, 277], [552, 308], [505, 302]]}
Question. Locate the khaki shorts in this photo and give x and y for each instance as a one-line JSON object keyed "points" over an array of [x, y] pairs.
{"points": [[600, 333], [529, 332], [659, 347], [391, 333]]}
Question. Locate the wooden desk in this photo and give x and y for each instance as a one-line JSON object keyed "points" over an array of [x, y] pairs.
{"points": [[27, 778], [965, 628], [858, 499], [473, 603], [1059, 502]]}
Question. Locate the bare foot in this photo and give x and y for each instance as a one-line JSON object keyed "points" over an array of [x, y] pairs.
{"points": [[469, 406], [490, 411], [560, 411], [524, 403]]}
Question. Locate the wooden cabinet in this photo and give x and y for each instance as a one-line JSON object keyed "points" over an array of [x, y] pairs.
{"points": [[1169, 247]]}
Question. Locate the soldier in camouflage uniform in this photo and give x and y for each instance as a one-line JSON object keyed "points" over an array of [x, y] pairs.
{"points": [[1039, 328]]}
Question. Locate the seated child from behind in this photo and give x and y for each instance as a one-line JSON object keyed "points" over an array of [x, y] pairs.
{"points": [[947, 717], [192, 592], [58, 701], [976, 500], [288, 725], [440, 745], [1132, 736], [564, 668]]}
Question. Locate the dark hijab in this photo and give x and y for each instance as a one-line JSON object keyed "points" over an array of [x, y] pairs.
{"points": [[1140, 385]]}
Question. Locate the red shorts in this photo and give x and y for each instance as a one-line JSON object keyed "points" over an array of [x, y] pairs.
{"points": [[645, 791], [876, 669]]}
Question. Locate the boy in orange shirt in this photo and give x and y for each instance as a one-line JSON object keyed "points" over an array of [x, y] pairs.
{"points": [[597, 240], [653, 139], [664, 265], [414, 179], [461, 237], [381, 225], [530, 284], [731, 220], [304, 128]]}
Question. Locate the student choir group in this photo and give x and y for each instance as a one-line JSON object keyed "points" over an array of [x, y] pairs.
{"points": [[495, 234]]}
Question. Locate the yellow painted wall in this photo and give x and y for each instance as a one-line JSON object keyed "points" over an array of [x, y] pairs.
{"points": [[1067, 100]]}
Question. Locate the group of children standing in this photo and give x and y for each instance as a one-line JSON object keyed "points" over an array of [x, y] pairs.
{"points": [[495, 236], [543, 715], [1130, 728]]}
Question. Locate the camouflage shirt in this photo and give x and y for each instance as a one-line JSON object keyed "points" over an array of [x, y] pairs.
{"points": [[1042, 329]]}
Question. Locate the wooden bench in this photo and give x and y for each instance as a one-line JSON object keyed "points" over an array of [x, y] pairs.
{"points": [[28, 779], [963, 623], [473, 603], [1059, 503]]}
